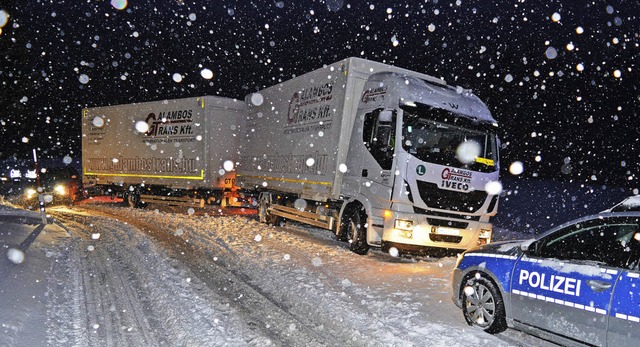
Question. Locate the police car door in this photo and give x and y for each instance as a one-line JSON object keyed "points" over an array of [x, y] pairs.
{"points": [[564, 283], [624, 320]]}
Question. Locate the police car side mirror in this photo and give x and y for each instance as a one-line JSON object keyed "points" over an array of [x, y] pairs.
{"points": [[529, 246]]}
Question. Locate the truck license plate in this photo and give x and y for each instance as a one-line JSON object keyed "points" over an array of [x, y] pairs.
{"points": [[447, 231]]}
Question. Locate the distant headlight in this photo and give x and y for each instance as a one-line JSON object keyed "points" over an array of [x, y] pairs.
{"points": [[30, 193], [60, 189], [31, 174]]}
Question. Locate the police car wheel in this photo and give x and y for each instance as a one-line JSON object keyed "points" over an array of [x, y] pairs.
{"points": [[482, 305]]}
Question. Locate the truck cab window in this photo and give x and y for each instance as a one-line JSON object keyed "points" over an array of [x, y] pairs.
{"points": [[437, 141], [379, 136]]}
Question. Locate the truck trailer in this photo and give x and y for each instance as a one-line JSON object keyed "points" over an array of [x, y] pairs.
{"points": [[381, 155], [179, 152]]}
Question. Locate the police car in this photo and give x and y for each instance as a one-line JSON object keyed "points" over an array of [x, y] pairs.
{"points": [[576, 284]]}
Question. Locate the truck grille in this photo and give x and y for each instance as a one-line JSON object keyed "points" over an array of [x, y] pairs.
{"points": [[447, 223], [451, 200]]}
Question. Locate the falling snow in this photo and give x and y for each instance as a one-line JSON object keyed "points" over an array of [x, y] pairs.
{"points": [[560, 80]]}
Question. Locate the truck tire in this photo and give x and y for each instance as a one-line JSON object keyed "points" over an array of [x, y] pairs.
{"points": [[125, 199], [132, 198], [263, 212], [353, 230], [483, 305], [214, 199]]}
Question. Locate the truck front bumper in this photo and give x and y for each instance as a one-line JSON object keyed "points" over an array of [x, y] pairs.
{"points": [[422, 235]]}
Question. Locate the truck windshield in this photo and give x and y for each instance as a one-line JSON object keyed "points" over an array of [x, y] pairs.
{"points": [[447, 144]]}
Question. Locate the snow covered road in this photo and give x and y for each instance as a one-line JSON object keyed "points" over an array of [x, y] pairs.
{"points": [[144, 277]]}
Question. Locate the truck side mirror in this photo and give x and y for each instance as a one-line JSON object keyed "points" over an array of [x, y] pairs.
{"points": [[385, 128]]}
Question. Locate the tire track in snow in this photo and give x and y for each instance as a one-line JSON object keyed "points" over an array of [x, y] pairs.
{"points": [[129, 313], [66, 312], [379, 307], [111, 303], [260, 309], [320, 292], [231, 251], [180, 311]]}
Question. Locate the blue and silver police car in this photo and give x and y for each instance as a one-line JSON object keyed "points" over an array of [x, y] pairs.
{"points": [[576, 284]]}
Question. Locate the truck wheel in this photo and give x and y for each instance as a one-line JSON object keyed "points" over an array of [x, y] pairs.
{"points": [[132, 199], [483, 306], [125, 199], [264, 215], [354, 231], [213, 200]]}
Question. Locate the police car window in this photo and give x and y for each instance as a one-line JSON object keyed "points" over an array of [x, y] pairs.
{"points": [[612, 243]]}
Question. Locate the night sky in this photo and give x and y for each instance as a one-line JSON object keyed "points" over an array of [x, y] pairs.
{"points": [[561, 77]]}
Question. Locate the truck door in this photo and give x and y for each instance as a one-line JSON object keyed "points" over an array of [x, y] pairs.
{"points": [[378, 161]]}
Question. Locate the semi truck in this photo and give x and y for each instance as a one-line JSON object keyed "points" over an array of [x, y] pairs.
{"points": [[179, 152], [381, 155]]}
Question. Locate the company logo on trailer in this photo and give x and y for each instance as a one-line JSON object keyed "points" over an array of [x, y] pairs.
{"points": [[374, 94], [172, 123], [311, 105], [456, 179]]}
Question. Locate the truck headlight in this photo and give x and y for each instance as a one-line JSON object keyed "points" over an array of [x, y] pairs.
{"points": [[484, 237], [60, 189], [404, 224]]}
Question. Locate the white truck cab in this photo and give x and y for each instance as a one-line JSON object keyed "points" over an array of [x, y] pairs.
{"points": [[430, 152]]}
